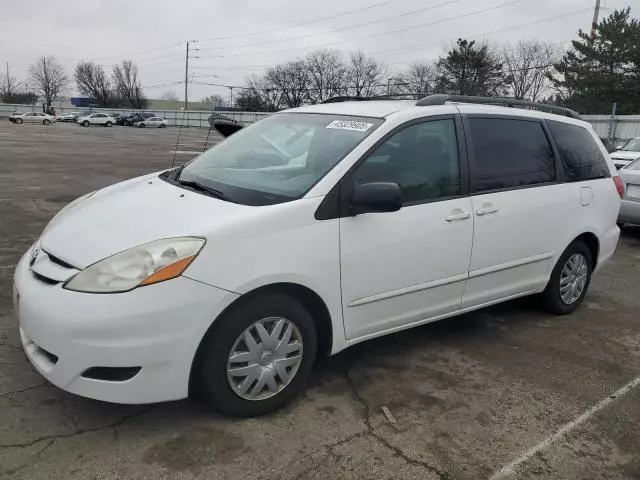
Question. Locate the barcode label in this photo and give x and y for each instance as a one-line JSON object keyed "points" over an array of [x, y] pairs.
{"points": [[350, 125]]}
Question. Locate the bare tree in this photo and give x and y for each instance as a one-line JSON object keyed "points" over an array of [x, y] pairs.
{"points": [[364, 75], [127, 85], [327, 74], [291, 81], [170, 96], [93, 82], [420, 78], [8, 86], [48, 78], [527, 65]]}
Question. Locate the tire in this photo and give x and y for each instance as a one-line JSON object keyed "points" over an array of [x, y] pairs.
{"points": [[141, 125], [46, 122], [86, 123], [19, 121], [227, 336], [108, 124], [552, 297], [162, 125]]}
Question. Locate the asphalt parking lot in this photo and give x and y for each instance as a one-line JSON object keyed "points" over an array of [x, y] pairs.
{"points": [[466, 397]]}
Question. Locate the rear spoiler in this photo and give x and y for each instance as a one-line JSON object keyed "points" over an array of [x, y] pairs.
{"points": [[226, 126]]}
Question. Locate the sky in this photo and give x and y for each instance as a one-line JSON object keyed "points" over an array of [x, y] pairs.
{"points": [[231, 40]]}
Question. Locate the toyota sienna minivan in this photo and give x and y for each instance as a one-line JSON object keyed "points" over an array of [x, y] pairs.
{"points": [[310, 231]]}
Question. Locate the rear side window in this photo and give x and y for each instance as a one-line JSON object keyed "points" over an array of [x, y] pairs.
{"points": [[579, 153], [510, 153]]}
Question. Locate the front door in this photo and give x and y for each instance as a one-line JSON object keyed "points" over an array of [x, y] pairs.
{"points": [[406, 267]]}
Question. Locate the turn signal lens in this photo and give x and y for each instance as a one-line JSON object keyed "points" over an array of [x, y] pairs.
{"points": [[170, 271]]}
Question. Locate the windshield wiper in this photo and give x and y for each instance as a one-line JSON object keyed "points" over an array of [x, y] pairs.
{"points": [[203, 188]]}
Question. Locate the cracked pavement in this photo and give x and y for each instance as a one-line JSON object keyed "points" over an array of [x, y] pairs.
{"points": [[469, 394]]}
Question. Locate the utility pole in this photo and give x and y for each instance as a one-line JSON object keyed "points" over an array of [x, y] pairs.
{"points": [[230, 96], [186, 79], [594, 23]]}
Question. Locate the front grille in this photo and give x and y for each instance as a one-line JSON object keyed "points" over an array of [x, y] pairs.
{"points": [[43, 279], [111, 374], [58, 261], [50, 356]]}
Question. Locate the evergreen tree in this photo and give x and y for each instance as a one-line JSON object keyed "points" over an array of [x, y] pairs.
{"points": [[603, 69], [471, 69]]}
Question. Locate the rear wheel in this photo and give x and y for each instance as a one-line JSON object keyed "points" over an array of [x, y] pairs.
{"points": [[163, 125], [108, 124], [141, 125], [258, 356], [569, 280], [85, 123], [46, 121]]}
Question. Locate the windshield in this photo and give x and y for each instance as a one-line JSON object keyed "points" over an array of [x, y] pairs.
{"points": [[632, 145], [279, 158]]}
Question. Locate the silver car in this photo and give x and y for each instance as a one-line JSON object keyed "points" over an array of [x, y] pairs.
{"points": [[626, 154], [32, 117], [155, 122], [630, 208]]}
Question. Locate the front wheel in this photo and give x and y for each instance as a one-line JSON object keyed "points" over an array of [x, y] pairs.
{"points": [[258, 356], [569, 280], [141, 125], [108, 124], [163, 125], [46, 122], [18, 121], [85, 123]]}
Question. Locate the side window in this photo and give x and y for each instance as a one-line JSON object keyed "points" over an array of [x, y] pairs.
{"points": [[510, 153], [579, 153], [29, 114], [422, 159]]}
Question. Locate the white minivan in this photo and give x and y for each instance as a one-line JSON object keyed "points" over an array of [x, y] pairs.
{"points": [[312, 230]]}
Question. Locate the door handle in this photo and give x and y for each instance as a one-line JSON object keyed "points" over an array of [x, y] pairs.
{"points": [[486, 211], [458, 216]]}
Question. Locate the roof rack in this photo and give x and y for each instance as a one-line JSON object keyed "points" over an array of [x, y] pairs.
{"points": [[393, 96], [507, 102]]}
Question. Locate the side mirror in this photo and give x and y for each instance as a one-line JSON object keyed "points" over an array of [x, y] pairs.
{"points": [[376, 197], [619, 147]]}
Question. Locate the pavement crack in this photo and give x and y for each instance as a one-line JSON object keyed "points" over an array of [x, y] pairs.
{"points": [[81, 431], [442, 475], [22, 467], [26, 389]]}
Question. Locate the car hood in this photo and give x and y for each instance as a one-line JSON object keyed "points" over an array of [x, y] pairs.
{"points": [[625, 155], [129, 214]]}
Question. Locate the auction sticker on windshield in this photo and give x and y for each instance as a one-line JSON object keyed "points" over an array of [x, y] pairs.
{"points": [[350, 125]]}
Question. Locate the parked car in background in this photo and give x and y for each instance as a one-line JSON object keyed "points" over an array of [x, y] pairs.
{"points": [[68, 117], [199, 278], [133, 118], [153, 122], [630, 209], [32, 117], [626, 154], [96, 119]]}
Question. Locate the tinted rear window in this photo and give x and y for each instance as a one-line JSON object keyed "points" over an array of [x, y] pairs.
{"points": [[510, 153], [580, 155]]}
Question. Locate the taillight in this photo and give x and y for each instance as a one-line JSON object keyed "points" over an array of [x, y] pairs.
{"points": [[619, 185]]}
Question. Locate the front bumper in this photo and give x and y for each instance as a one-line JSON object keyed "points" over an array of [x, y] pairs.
{"points": [[157, 328]]}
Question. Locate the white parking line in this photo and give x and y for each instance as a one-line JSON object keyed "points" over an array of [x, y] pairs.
{"points": [[510, 468], [7, 266]]}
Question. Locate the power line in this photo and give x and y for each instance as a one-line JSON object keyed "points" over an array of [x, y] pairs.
{"points": [[476, 12], [421, 46], [350, 27], [127, 54], [317, 20]]}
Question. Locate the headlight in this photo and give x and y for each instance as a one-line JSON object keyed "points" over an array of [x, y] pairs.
{"points": [[144, 265]]}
